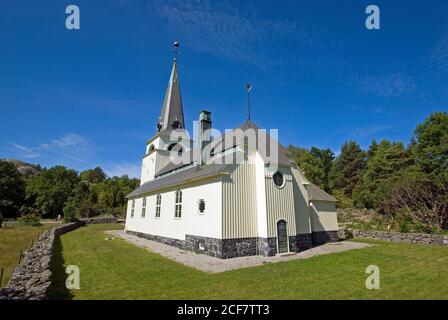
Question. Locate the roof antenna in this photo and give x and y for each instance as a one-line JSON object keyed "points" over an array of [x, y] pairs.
{"points": [[175, 50], [249, 88]]}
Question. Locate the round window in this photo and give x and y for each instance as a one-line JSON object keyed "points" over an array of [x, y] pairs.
{"points": [[278, 179]]}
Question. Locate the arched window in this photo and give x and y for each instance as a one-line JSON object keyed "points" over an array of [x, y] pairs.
{"points": [[178, 209], [151, 148]]}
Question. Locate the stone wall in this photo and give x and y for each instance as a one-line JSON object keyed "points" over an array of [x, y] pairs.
{"points": [[32, 277], [422, 238], [98, 220]]}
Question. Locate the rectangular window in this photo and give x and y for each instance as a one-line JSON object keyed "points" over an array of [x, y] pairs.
{"points": [[132, 208], [144, 207], [201, 206], [178, 208], [158, 205]]}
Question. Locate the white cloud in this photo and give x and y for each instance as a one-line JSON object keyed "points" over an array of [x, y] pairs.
{"points": [[392, 85], [123, 168], [71, 148], [370, 130]]}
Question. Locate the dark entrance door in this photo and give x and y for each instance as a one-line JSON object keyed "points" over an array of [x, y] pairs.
{"points": [[282, 237]]}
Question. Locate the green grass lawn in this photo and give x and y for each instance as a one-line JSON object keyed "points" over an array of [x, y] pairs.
{"points": [[12, 240], [115, 269]]}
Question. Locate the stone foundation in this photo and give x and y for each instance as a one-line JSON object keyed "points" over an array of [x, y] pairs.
{"points": [[241, 247], [169, 241], [322, 237], [304, 241], [267, 246]]}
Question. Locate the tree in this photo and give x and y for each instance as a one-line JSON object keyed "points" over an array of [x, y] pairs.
{"points": [[12, 190], [96, 175], [326, 157], [424, 203], [50, 190], [347, 168], [111, 194], [387, 162], [431, 147], [311, 165]]}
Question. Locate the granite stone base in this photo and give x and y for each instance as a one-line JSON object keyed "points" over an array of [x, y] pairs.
{"points": [[242, 247], [304, 241], [169, 241], [267, 246], [322, 237]]}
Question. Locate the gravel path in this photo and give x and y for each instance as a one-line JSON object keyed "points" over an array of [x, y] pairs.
{"points": [[213, 265]]}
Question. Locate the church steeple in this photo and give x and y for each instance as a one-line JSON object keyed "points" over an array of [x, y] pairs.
{"points": [[172, 115]]}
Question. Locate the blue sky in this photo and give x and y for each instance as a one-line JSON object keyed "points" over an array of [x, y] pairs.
{"points": [[92, 97]]}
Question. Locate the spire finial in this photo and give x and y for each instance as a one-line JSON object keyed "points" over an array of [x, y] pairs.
{"points": [[175, 50], [249, 88]]}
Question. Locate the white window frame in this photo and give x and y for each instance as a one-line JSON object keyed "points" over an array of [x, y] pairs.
{"points": [[158, 206], [132, 208], [178, 204], [144, 207]]}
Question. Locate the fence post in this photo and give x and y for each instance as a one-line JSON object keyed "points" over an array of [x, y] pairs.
{"points": [[20, 257], [1, 278]]}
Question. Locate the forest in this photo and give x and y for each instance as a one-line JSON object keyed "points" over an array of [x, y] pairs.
{"points": [[405, 183]]}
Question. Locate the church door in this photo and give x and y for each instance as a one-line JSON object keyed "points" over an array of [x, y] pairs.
{"points": [[282, 237]]}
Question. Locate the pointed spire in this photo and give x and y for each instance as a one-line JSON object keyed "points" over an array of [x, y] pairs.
{"points": [[172, 115]]}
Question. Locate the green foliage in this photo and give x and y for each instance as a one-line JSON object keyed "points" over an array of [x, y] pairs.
{"points": [[326, 157], [347, 168], [12, 190], [29, 216], [111, 194], [386, 165], [51, 189], [344, 201], [96, 175], [71, 211], [431, 147], [310, 165]]}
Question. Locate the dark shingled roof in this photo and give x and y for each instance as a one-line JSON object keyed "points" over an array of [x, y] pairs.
{"points": [[179, 177], [172, 104], [316, 193], [262, 144], [170, 166]]}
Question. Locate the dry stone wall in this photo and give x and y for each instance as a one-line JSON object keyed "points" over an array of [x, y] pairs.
{"points": [[32, 277], [421, 238]]}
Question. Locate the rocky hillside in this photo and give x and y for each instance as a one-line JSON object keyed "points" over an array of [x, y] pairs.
{"points": [[27, 169]]}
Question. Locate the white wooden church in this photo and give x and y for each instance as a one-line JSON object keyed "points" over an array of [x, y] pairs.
{"points": [[256, 206]]}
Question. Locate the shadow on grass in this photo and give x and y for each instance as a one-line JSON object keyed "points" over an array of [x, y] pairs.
{"points": [[58, 290]]}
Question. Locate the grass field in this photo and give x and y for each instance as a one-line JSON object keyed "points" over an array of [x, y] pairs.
{"points": [[14, 239], [115, 269]]}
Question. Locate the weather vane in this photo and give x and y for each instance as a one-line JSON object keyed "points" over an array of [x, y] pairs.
{"points": [[175, 50], [249, 88]]}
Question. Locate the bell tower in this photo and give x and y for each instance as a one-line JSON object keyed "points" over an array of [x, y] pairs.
{"points": [[170, 126]]}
